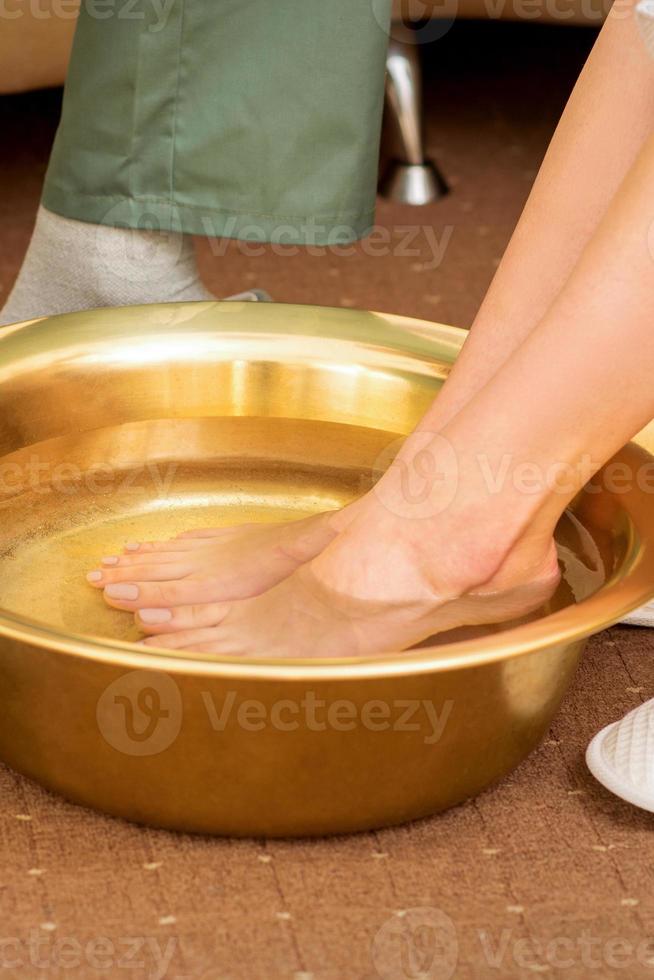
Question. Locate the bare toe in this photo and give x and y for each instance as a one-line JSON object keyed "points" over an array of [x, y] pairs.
{"points": [[198, 616], [172, 545], [133, 596], [131, 560], [163, 572], [200, 640]]}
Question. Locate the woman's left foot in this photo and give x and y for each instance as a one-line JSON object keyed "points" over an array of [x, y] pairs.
{"points": [[216, 564]]}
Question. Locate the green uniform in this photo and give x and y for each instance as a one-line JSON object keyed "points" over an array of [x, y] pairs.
{"points": [[254, 119]]}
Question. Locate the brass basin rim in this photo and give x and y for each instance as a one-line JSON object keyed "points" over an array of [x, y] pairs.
{"points": [[572, 624]]}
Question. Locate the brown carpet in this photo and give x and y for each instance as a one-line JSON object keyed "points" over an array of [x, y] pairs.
{"points": [[546, 873]]}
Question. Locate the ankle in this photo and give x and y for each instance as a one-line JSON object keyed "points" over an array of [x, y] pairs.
{"points": [[533, 559], [455, 554]]}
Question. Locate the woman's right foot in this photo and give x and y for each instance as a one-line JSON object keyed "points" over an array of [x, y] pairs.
{"points": [[220, 563]]}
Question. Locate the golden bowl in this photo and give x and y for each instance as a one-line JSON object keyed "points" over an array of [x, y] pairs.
{"points": [[143, 422]]}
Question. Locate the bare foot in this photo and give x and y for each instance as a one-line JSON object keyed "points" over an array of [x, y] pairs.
{"points": [[217, 564], [382, 585]]}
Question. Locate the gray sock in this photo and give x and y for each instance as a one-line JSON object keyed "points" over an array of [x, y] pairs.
{"points": [[71, 265]]}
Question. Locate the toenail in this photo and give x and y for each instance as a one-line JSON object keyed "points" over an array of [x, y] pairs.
{"points": [[132, 546], [94, 577], [153, 616], [111, 560], [122, 591]]}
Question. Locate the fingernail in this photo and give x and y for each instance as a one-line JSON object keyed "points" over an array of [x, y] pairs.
{"points": [[154, 616], [94, 577], [132, 546], [122, 591], [111, 560]]}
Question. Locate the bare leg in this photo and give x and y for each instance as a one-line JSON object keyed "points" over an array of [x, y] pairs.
{"points": [[474, 554], [607, 119]]}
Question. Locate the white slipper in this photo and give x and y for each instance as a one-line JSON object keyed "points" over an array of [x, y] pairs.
{"points": [[641, 617], [621, 757]]}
